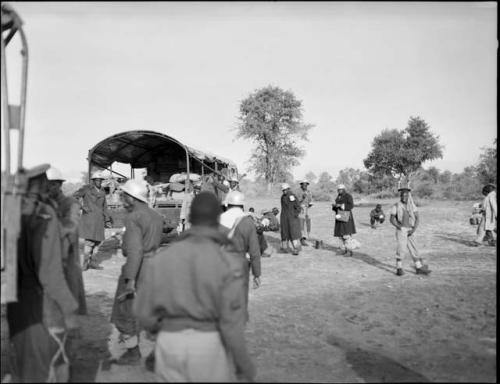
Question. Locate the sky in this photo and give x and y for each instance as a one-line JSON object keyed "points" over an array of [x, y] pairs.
{"points": [[182, 68]]}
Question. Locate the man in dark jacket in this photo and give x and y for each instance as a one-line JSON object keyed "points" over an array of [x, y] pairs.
{"points": [[344, 229], [94, 217], [142, 237], [290, 222], [194, 298], [45, 310]]}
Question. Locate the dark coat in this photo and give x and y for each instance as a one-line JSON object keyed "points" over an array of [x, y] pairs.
{"points": [[67, 211], [289, 218], [344, 228], [44, 299], [94, 212], [142, 237]]}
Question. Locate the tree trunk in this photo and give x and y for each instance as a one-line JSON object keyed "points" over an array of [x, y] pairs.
{"points": [[269, 187]]}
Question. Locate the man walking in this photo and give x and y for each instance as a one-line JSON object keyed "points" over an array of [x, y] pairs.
{"points": [[404, 216], [45, 309], [94, 217], [488, 224], [305, 200], [243, 233], [142, 237], [290, 222], [193, 298]]}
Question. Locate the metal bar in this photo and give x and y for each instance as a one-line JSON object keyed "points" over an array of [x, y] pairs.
{"points": [[108, 169], [24, 89], [188, 181], [11, 34], [5, 98]]}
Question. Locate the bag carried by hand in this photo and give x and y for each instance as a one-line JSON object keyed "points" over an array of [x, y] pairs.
{"points": [[343, 216]]}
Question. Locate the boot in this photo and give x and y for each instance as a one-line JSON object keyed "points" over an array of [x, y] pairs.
{"points": [[131, 356], [303, 242], [424, 270], [399, 272]]}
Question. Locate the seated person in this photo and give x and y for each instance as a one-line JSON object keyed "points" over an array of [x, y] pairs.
{"points": [[377, 215], [270, 220]]}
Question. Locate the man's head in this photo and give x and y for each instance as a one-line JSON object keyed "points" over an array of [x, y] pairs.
{"points": [[487, 189], [285, 188], [251, 209], [233, 183], [133, 192], [36, 189], [341, 189], [275, 211], [149, 179], [378, 207], [97, 179], [205, 210], [304, 184], [55, 181], [404, 195], [235, 199]]}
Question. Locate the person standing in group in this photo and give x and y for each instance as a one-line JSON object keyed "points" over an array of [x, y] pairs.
{"points": [[344, 219], [234, 184], [212, 184], [290, 222], [245, 240], [142, 238], [305, 200], [193, 299], [45, 311], [377, 216], [405, 217], [67, 209], [95, 216], [488, 225]]}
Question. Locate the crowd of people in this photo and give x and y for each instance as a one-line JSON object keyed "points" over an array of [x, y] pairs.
{"points": [[191, 296]]}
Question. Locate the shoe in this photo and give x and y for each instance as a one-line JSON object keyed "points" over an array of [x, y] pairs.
{"points": [[400, 272], [282, 250], [374, 227], [492, 243], [94, 265], [303, 242], [150, 361], [424, 270], [131, 356], [295, 252]]}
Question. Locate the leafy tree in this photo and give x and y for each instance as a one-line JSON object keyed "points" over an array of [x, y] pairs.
{"points": [[445, 177], [401, 153], [487, 167], [311, 177], [348, 176], [433, 174], [272, 119]]}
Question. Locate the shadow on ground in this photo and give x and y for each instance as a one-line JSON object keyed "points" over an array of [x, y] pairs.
{"points": [[374, 367], [456, 238], [91, 348]]}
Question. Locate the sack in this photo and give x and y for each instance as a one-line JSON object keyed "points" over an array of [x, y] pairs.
{"points": [[343, 216], [352, 244]]}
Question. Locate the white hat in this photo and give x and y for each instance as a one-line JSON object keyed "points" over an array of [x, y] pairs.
{"points": [[136, 189], [304, 182], [235, 198], [54, 174], [284, 186], [97, 175], [341, 186]]}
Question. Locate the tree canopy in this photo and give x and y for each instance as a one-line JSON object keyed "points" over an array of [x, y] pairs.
{"points": [[487, 167], [272, 119], [402, 152]]}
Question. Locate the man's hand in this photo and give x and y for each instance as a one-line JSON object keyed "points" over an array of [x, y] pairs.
{"points": [[129, 290], [256, 282]]}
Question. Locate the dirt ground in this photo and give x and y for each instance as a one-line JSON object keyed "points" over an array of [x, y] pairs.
{"points": [[323, 317]]}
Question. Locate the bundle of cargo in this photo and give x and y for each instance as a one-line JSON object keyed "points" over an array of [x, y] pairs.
{"points": [[181, 177]]}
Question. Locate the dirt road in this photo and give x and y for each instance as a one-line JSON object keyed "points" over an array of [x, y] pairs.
{"points": [[323, 317]]}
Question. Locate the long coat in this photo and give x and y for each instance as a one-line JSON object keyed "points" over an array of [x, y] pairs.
{"points": [[94, 212], [142, 237], [289, 218], [44, 299], [344, 228], [67, 211]]}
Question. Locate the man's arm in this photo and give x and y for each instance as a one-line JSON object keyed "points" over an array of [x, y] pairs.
{"points": [[417, 221], [132, 249], [254, 249]]}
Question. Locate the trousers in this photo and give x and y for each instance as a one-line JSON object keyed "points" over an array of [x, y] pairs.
{"points": [[191, 355], [406, 242]]}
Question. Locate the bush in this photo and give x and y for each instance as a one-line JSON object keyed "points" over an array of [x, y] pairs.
{"points": [[425, 190], [321, 196]]}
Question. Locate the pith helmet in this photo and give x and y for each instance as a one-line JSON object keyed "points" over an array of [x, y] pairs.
{"points": [[235, 198], [304, 182], [136, 189], [341, 186], [97, 175], [284, 186], [54, 174]]}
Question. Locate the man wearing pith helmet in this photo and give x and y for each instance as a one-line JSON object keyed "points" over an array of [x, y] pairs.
{"points": [[95, 216], [305, 200], [290, 222], [142, 237]]}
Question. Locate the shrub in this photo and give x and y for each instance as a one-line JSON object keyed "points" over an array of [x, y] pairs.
{"points": [[424, 190]]}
